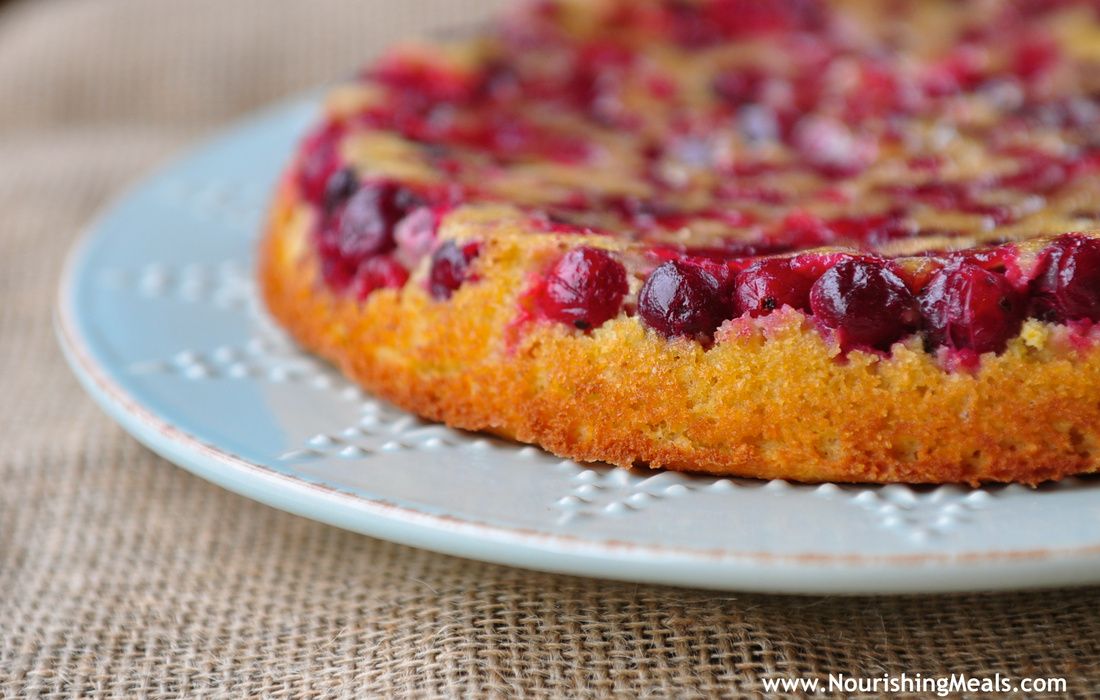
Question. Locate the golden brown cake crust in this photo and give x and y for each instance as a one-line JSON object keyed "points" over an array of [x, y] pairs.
{"points": [[769, 401]]}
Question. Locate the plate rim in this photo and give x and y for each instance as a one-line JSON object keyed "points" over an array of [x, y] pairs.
{"points": [[722, 569]]}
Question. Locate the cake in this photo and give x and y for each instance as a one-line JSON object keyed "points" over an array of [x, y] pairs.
{"points": [[853, 241]]}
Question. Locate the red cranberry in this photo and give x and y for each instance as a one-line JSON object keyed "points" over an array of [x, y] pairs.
{"points": [[378, 273], [681, 299], [968, 308], [585, 287], [801, 229], [866, 303], [451, 267], [770, 284], [1067, 287], [1035, 56], [319, 160], [367, 221]]}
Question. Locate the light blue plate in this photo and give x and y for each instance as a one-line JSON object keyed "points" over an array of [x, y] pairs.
{"points": [[158, 318]]}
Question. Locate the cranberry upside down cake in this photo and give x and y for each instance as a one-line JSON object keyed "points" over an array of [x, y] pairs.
{"points": [[850, 241]]}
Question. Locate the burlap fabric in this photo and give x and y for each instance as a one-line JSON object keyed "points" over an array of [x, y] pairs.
{"points": [[123, 576]]}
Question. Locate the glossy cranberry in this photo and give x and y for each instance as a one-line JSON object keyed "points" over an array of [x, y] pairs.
{"points": [[770, 284], [585, 288], [965, 307], [451, 267], [1067, 287], [320, 158], [367, 221], [681, 299], [378, 273], [866, 303]]}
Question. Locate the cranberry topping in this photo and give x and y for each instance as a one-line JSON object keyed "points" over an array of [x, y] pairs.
{"points": [[426, 79], [585, 288], [707, 23], [378, 273], [415, 235], [451, 267], [320, 158], [341, 185], [1067, 286], [866, 303], [966, 307], [681, 299], [368, 219], [770, 284], [832, 148], [361, 228]]}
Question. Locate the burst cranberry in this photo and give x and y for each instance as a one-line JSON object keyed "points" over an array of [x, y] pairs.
{"points": [[450, 268], [832, 148], [319, 160], [770, 284], [681, 299], [866, 303], [1067, 287], [968, 308], [585, 288], [378, 273], [415, 234]]}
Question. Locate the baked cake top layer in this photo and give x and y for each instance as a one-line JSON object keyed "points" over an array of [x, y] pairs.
{"points": [[885, 167], [896, 127]]}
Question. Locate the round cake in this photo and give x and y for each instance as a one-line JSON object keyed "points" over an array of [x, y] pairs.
{"points": [[851, 241]]}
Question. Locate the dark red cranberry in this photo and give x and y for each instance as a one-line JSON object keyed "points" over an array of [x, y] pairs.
{"points": [[1067, 287], [1035, 56], [737, 87], [368, 219], [801, 229], [451, 267], [681, 299], [415, 234], [378, 273], [341, 185], [769, 284], [585, 288], [866, 303], [968, 308], [320, 158]]}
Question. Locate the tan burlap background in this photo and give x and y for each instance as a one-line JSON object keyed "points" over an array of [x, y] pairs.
{"points": [[123, 576]]}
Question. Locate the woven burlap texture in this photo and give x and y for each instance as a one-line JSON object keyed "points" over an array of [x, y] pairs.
{"points": [[123, 576]]}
